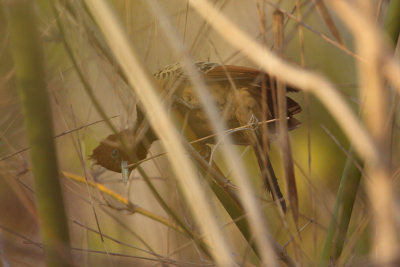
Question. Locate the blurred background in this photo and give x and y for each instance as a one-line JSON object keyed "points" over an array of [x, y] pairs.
{"points": [[318, 145]]}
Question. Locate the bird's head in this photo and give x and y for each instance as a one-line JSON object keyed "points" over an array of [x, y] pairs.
{"points": [[110, 153]]}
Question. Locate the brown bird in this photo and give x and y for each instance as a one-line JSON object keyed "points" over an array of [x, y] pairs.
{"points": [[242, 95]]}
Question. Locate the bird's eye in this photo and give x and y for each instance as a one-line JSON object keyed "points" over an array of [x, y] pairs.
{"points": [[115, 154]]}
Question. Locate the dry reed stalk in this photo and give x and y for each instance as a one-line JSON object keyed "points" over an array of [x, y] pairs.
{"points": [[157, 116], [286, 153], [250, 204], [326, 16], [359, 18]]}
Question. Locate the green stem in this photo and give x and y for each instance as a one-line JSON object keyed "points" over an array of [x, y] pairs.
{"points": [[339, 224], [31, 82], [232, 204], [392, 21]]}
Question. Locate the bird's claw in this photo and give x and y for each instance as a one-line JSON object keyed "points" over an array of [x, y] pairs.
{"points": [[205, 151], [179, 100], [253, 122]]}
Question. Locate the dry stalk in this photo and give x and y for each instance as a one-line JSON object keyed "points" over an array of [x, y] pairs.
{"points": [[157, 116], [360, 19]]}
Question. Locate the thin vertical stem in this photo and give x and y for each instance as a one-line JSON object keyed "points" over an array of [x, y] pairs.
{"points": [[30, 78]]}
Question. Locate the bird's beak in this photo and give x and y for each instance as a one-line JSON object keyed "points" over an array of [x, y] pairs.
{"points": [[125, 171]]}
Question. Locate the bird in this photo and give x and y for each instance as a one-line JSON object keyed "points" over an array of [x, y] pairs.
{"points": [[243, 96]]}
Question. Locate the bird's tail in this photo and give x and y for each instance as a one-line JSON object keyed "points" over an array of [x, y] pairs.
{"points": [[269, 177]]}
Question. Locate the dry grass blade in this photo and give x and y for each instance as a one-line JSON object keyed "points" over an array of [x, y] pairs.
{"points": [[56, 136], [131, 207], [322, 35], [157, 115], [286, 152], [324, 13], [250, 204], [360, 19]]}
